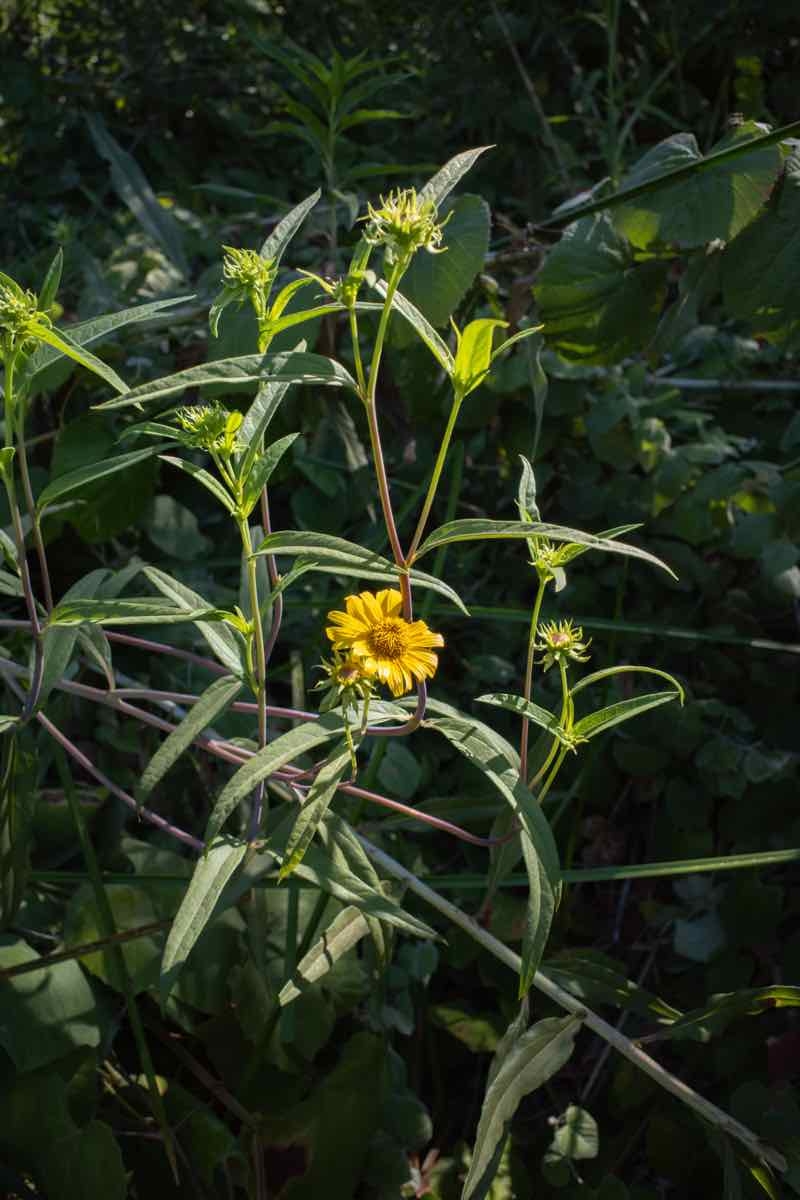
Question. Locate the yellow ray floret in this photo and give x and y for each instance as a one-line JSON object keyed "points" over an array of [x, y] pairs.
{"points": [[395, 651]]}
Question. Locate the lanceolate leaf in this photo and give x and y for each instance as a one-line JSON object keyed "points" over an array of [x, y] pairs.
{"points": [[223, 640], [525, 708], [338, 556], [285, 230], [214, 700], [621, 669], [144, 610], [261, 470], [476, 529], [315, 806], [52, 280], [345, 931], [499, 762], [244, 371], [535, 1057], [208, 881], [438, 348], [268, 760], [623, 710], [721, 1009], [62, 485], [449, 175], [597, 979]]}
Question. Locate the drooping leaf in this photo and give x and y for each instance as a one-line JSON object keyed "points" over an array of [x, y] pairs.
{"points": [[715, 1016], [448, 176], [315, 805], [597, 302], [491, 754], [209, 878], [225, 643], [477, 529], [597, 979], [338, 556], [760, 266], [133, 189], [72, 481], [345, 931], [209, 481], [214, 700], [535, 1057], [622, 669], [86, 332], [438, 348], [60, 340], [243, 371], [717, 202], [59, 642]]}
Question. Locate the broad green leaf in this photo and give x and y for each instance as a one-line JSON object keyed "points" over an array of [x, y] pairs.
{"points": [[244, 371], [209, 878], [615, 714], [45, 1014], [575, 1136], [714, 1017], [598, 979], [214, 700], [478, 529], [133, 189], [315, 805], [492, 755], [339, 557], [59, 339], [438, 348], [345, 931], [622, 669], [474, 353], [760, 266], [717, 202], [260, 472], [62, 485], [59, 643], [86, 332], [209, 481], [224, 641], [445, 179], [436, 283], [535, 1057], [51, 282], [144, 610], [597, 302], [526, 708], [284, 231]]}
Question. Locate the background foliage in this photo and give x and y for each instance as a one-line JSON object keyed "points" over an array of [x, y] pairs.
{"points": [[671, 401]]}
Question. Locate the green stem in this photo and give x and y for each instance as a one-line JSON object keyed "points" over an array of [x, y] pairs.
{"points": [[528, 684], [359, 365], [458, 400], [33, 513], [258, 660]]}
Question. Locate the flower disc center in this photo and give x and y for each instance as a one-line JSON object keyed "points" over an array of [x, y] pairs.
{"points": [[388, 639]]}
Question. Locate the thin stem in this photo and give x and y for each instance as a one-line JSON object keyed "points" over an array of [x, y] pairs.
{"points": [[435, 477], [628, 1049], [527, 690], [360, 376], [372, 415], [36, 529], [274, 579], [129, 639], [260, 670]]}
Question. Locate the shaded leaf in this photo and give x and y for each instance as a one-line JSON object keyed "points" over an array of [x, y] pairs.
{"points": [[344, 932], [315, 805], [222, 639]]}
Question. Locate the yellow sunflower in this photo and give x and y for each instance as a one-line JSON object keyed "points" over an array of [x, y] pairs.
{"points": [[393, 650]]}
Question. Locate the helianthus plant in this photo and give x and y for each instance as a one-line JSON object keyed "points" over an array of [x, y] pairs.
{"points": [[282, 812]]}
